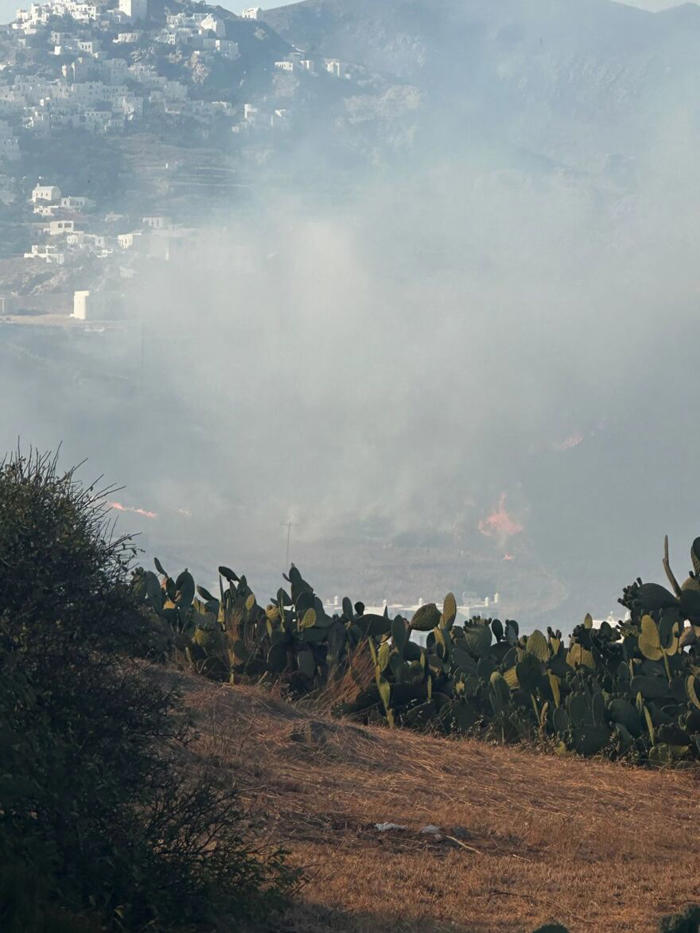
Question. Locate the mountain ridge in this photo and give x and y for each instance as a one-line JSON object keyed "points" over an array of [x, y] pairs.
{"points": [[600, 65]]}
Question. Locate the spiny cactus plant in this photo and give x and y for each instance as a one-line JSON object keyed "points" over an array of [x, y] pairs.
{"points": [[630, 689]]}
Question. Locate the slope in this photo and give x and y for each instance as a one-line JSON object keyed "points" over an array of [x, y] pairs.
{"points": [[549, 76], [594, 845]]}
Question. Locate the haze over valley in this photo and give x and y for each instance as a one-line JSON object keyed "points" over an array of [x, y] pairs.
{"points": [[418, 278]]}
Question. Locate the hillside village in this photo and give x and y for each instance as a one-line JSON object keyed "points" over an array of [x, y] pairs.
{"points": [[116, 116]]}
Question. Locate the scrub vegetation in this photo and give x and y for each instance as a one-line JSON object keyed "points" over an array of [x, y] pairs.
{"points": [[136, 796], [99, 824]]}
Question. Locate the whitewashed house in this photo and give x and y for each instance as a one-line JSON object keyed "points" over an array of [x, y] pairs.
{"points": [[215, 24], [76, 203], [156, 222], [45, 210], [335, 67], [127, 38], [47, 253], [46, 193], [128, 240], [136, 10], [90, 46], [59, 227]]}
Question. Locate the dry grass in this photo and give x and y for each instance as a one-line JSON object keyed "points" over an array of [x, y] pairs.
{"points": [[593, 845]]}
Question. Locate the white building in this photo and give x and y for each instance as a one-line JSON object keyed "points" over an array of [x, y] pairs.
{"points": [[253, 12], [127, 38], [46, 193], [215, 24], [47, 253], [45, 210], [76, 203], [156, 222], [136, 10], [80, 305], [59, 227], [127, 240], [334, 67], [89, 46]]}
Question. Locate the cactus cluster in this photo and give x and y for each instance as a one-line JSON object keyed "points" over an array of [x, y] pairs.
{"points": [[633, 689]]}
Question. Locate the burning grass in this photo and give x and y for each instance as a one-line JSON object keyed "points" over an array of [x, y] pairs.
{"points": [[534, 838]]}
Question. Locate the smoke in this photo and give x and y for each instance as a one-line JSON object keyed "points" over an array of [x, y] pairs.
{"points": [[463, 373]]}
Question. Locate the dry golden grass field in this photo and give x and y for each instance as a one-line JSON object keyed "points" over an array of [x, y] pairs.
{"points": [[535, 838]]}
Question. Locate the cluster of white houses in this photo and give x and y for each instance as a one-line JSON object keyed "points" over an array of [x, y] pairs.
{"points": [[103, 86], [28, 21], [295, 62], [72, 232], [99, 89]]}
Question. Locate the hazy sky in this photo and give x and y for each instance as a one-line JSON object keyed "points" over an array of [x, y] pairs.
{"points": [[644, 4], [654, 4]]}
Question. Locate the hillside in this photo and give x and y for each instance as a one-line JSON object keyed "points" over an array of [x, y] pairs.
{"points": [[535, 838], [549, 77], [508, 188]]}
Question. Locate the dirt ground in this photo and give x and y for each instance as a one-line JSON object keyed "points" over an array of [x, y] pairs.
{"points": [[525, 838]]}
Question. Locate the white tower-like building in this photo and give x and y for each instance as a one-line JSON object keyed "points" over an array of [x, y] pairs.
{"points": [[80, 305]]}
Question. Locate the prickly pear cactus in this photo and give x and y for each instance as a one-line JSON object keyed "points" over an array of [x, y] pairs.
{"points": [[631, 689]]}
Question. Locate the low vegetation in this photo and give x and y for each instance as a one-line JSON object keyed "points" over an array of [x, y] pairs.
{"points": [[98, 826], [632, 691], [117, 809]]}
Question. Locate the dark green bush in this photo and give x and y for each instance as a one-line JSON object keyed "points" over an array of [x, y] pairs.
{"points": [[61, 562], [687, 922], [99, 826]]}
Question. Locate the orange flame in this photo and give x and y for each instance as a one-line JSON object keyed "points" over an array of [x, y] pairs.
{"points": [[499, 523], [118, 507]]}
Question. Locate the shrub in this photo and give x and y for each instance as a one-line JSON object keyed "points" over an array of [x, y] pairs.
{"points": [[60, 561], [687, 922], [99, 825]]}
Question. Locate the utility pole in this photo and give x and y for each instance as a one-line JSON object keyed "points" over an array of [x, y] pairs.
{"points": [[288, 525]]}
